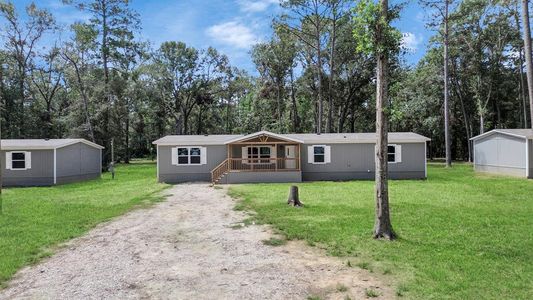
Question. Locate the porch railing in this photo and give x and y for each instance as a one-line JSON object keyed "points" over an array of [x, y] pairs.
{"points": [[263, 164], [220, 170]]}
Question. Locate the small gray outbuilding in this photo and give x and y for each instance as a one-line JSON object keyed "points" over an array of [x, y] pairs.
{"points": [[268, 157], [505, 151], [33, 162]]}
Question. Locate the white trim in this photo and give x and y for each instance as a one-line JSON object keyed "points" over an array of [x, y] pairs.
{"points": [[426, 160], [498, 131], [396, 152], [67, 142], [247, 159], [176, 157], [253, 135], [157, 160], [55, 166], [313, 152], [10, 165], [528, 167], [86, 142]]}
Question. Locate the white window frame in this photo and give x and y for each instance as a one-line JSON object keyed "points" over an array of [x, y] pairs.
{"points": [[327, 154], [251, 160], [10, 160], [202, 156], [397, 153]]}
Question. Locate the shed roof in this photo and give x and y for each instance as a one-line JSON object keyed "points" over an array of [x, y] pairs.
{"points": [[310, 138], [43, 144], [523, 133]]}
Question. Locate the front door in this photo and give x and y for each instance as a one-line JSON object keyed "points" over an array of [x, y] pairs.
{"points": [[290, 153]]}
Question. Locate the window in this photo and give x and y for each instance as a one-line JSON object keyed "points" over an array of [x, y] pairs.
{"points": [[394, 153], [189, 155], [256, 153], [319, 153], [18, 160], [195, 156]]}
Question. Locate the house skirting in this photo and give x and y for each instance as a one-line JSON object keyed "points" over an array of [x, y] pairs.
{"points": [[262, 177]]}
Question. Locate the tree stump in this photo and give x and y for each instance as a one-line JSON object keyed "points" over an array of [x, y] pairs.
{"points": [[294, 198]]}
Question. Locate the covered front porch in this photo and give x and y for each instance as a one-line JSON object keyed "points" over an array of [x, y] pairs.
{"points": [[260, 153]]}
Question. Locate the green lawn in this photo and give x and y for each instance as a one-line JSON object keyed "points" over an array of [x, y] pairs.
{"points": [[34, 220], [462, 236]]}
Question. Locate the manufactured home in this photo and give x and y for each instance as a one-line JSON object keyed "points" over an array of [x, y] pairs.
{"points": [[268, 157], [505, 151], [30, 162]]}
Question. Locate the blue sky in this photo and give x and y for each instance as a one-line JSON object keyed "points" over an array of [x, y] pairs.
{"points": [[231, 26]]}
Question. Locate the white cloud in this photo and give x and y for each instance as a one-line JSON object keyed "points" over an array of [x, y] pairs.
{"points": [[411, 41], [256, 5], [233, 33]]}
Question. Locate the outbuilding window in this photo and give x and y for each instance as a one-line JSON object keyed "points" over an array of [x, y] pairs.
{"points": [[18, 160], [394, 153], [189, 156], [319, 154]]}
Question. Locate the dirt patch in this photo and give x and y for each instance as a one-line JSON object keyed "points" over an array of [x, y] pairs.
{"points": [[188, 247]]}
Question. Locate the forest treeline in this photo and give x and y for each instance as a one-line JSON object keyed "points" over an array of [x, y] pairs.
{"points": [[102, 82]]}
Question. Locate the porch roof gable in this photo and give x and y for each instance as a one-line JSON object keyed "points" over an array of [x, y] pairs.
{"points": [[264, 133]]}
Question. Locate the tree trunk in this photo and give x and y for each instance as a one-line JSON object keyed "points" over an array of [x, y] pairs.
{"points": [[383, 226], [522, 85], [280, 115], [294, 198], [447, 137], [127, 140], [319, 74], [529, 62], [329, 126], [295, 118]]}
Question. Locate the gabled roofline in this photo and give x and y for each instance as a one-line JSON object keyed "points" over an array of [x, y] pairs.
{"points": [[84, 141], [263, 132], [494, 131], [51, 147]]}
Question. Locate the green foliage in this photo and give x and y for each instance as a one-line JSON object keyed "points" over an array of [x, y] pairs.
{"points": [[463, 235], [35, 220], [372, 30]]}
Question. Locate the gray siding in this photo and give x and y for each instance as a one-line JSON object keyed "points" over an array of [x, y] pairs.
{"points": [[78, 162], [348, 162], [356, 161], [500, 154], [169, 173], [40, 174]]}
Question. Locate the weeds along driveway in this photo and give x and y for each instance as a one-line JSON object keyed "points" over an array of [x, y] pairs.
{"points": [[187, 247]]}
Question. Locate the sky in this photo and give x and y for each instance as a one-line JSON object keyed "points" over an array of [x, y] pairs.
{"points": [[231, 26]]}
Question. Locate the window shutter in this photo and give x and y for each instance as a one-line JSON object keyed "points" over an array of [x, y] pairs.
{"points": [[310, 155], [327, 154], [28, 160], [8, 161], [203, 155], [398, 153], [174, 156]]}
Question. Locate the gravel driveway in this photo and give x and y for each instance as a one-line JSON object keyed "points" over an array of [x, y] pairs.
{"points": [[187, 248]]}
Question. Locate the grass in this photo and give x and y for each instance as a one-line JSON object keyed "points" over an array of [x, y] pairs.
{"points": [[462, 235], [35, 220], [274, 242], [372, 293]]}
